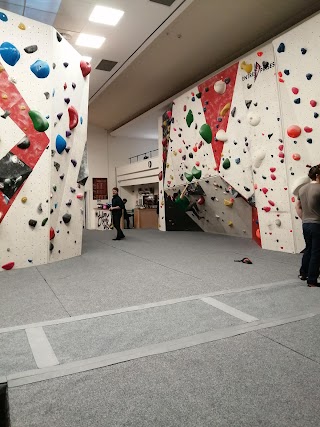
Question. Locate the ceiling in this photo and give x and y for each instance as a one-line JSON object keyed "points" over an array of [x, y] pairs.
{"points": [[160, 50]]}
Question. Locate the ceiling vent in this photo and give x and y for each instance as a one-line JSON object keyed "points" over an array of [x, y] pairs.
{"points": [[106, 65], [164, 2]]}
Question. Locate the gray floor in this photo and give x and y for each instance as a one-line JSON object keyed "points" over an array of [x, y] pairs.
{"points": [[269, 377]]}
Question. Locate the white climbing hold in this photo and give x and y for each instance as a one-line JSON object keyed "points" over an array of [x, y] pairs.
{"points": [[221, 135], [298, 183], [253, 118], [258, 158], [278, 222], [220, 87]]}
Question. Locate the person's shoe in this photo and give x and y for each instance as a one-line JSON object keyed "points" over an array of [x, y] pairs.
{"points": [[302, 277], [313, 285], [116, 239]]}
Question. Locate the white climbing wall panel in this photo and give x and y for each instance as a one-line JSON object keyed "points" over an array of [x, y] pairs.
{"points": [[21, 91]]}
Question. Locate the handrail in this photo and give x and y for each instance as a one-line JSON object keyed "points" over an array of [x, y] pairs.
{"points": [[145, 156]]}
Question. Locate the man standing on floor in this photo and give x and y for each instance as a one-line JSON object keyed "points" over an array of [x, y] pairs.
{"points": [[308, 209], [116, 209]]}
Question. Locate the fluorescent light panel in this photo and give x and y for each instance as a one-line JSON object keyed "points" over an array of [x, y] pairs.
{"points": [[106, 15], [88, 40]]}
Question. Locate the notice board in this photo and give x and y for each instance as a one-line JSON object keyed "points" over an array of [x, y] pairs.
{"points": [[100, 188]]}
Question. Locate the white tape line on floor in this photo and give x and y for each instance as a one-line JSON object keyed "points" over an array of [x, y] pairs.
{"points": [[230, 310], [41, 348]]}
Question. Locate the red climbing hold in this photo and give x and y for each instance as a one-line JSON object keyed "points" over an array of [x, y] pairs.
{"points": [[259, 53], [296, 156], [281, 80], [169, 114], [293, 199], [273, 177], [294, 131], [201, 200], [264, 190], [281, 155], [198, 164], [295, 90], [73, 117], [8, 266], [266, 209], [195, 149], [281, 147], [272, 169], [313, 103], [308, 129], [160, 175], [52, 233], [271, 202], [65, 86], [280, 74], [85, 68], [180, 150], [184, 108]]}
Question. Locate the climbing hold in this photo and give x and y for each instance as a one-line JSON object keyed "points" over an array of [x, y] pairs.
{"points": [[295, 90], [5, 114], [59, 115], [248, 103], [278, 222], [226, 164], [81, 120], [196, 172], [281, 155], [40, 69], [74, 162], [225, 109], [47, 95], [206, 133], [294, 131], [74, 85], [24, 143], [201, 200], [273, 177], [286, 72], [8, 266], [297, 101], [160, 175], [66, 218], [313, 103], [73, 117], [39, 122], [281, 48], [24, 199], [3, 17], [61, 176], [230, 224], [59, 37], [271, 203], [31, 49], [309, 76], [258, 235], [85, 68], [258, 158], [69, 203], [264, 190], [80, 196], [189, 118], [22, 26], [67, 100], [316, 115], [39, 209], [303, 51], [233, 111], [266, 209], [246, 67], [220, 87], [9, 53], [66, 64], [65, 86], [296, 156], [253, 118], [228, 203], [44, 222], [221, 136], [308, 129], [237, 160], [56, 165], [52, 233], [32, 223]]}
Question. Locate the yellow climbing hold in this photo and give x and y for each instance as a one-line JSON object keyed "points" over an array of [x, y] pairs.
{"points": [[1, 68], [22, 26], [228, 203], [171, 177], [24, 199], [168, 165], [246, 67], [4, 96], [230, 223], [175, 153], [225, 109], [22, 107]]}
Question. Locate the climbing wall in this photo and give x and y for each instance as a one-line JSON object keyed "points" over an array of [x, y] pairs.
{"points": [[298, 65], [31, 68]]}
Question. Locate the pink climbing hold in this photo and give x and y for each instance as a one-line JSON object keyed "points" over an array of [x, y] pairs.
{"points": [[281, 155], [80, 196], [273, 177], [255, 186], [8, 266], [272, 169], [313, 103], [271, 202], [294, 131], [264, 190], [293, 199], [198, 164], [85, 68], [73, 117], [308, 129], [281, 147], [295, 90], [180, 150], [296, 156], [266, 209]]}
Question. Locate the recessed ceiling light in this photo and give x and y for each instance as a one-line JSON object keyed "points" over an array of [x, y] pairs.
{"points": [[88, 40], [106, 15], [87, 58]]}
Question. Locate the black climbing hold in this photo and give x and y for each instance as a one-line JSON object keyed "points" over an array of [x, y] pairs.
{"points": [[66, 218], [32, 223], [270, 135], [191, 155], [24, 143], [281, 48], [297, 101], [309, 141], [59, 115], [31, 49], [73, 190], [66, 64], [56, 165], [249, 86], [5, 114], [255, 104], [74, 162], [265, 64], [74, 85], [316, 115], [204, 109], [309, 76], [59, 37], [244, 260], [248, 103], [303, 51], [227, 80], [54, 188], [184, 157], [198, 95], [233, 111], [44, 222], [219, 119], [62, 176], [286, 72], [51, 246], [239, 121], [67, 149], [69, 203]]}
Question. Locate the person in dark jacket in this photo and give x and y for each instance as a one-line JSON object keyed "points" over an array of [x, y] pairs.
{"points": [[116, 209], [126, 215]]}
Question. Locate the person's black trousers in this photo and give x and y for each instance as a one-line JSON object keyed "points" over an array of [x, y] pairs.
{"points": [[116, 223], [311, 256]]}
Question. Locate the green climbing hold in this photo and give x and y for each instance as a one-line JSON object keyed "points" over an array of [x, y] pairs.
{"points": [[44, 222], [206, 133], [196, 172], [189, 176], [226, 164], [39, 122], [189, 118]]}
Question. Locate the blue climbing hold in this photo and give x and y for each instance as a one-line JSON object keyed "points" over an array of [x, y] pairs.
{"points": [[40, 69], [3, 17], [81, 120], [61, 144], [281, 48], [9, 53]]}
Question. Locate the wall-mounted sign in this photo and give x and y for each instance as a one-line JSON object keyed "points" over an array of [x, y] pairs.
{"points": [[100, 188]]}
